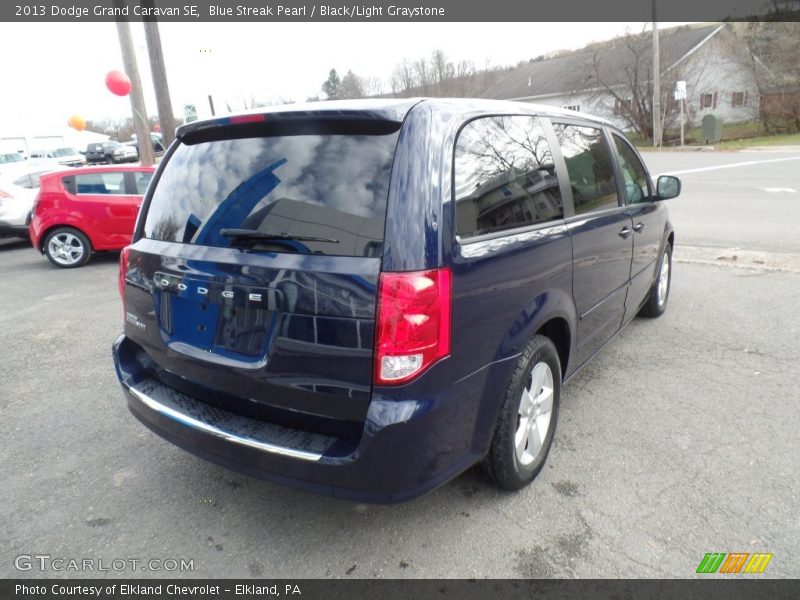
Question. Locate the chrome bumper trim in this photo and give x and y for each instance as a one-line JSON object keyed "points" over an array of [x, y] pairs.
{"points": [[228, 436]]}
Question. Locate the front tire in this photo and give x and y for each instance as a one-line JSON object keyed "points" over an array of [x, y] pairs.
{"points": [[67, 248], [659, 293], [528, 417]]}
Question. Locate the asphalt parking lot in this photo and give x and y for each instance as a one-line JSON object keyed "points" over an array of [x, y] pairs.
{"points": [[679, 439]]}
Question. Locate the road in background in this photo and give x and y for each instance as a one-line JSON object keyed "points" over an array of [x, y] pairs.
{"points": [[754, 205], [677, 440]]}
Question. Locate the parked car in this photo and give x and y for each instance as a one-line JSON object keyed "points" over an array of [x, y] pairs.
{"points": [[158, 145], [11, 163], [364, 299], [66, 156], [111, 152], [125, 153], [101, 152], [17, 192], [11, 157], [80, 211]]}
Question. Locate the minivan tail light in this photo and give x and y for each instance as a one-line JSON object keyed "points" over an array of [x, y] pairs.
{"points": [[240, 119], [123, 268], [4, 194], [413, 324]]}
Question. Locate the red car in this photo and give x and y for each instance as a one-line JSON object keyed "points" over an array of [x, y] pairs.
{"points": [[82, 210]]}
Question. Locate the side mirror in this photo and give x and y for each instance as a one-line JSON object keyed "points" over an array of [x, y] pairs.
{"points": [[668, 187]]}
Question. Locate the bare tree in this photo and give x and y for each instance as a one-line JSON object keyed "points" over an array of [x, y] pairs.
{"points": [[423, 75], [116, 128], [372, 86], [403, 78], [770, 55], [621, 80], [443, 70], [439, 76], [632, 93]]}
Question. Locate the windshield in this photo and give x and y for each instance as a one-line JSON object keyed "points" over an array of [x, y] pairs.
{"points": [[295, 187], [13, 157]]}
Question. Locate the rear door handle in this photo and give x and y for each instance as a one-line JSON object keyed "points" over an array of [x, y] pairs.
{"points": [[624, 233], [639, 227]]}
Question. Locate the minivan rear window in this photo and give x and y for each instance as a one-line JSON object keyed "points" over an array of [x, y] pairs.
{"points": [[315, 193]]}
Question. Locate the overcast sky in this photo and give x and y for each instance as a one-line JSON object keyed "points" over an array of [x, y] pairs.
{"points": [[53, 70]]}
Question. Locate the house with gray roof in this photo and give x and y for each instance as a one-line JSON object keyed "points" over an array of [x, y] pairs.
{"points": [[614, 79]]}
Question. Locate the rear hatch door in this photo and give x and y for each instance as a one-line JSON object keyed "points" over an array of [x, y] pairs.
{"points": [[253, 280]]}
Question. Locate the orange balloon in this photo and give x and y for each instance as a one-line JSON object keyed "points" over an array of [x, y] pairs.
{"points": [[77, 122]]}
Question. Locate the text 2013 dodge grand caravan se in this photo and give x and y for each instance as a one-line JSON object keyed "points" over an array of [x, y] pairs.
{"points": [[364, 299]]}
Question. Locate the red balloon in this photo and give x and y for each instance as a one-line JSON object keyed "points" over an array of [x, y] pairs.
{"points": [[118, 83]]}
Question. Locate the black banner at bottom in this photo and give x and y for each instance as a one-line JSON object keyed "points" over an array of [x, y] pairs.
{"points": [[396, 589]]}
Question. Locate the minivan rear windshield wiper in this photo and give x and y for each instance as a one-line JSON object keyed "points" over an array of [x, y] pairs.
{"points": [[254, 234]]}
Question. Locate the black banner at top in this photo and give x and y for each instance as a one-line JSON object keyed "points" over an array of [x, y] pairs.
{"points": [[329, 11]]}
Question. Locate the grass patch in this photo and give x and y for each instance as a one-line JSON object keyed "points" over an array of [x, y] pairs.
{"points": [[788, 139], [735, 136]]}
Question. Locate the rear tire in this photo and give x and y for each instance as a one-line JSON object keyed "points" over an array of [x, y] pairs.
{"points": [[67, 248], [528, 417], [659, 293]]}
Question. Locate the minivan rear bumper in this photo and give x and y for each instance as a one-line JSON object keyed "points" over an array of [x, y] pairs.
{"points": [[409, 445]]}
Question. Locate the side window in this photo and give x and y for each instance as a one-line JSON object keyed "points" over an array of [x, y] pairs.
{"points": [[69, 184], [504, 176], [24, 181], [141, 181], [100, 183], [591, 174], [30, 181], [637, 188], [36, 179]]}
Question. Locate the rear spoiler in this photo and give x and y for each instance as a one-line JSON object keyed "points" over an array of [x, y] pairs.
{"points": [[299, 122]]}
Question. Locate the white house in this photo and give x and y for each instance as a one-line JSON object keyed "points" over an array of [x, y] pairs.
{"points": [[613, 79]]}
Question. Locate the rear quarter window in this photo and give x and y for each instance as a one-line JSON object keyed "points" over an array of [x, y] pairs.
{"points": [[505, 177], [330, 186], [141, 180]]}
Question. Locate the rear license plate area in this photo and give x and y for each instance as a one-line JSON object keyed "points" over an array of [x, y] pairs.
{"points": [[210, 316]]}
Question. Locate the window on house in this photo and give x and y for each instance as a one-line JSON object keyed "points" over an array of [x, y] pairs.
{"points": [[622, 106], [575, 107], [706, 101], [739, 99]]}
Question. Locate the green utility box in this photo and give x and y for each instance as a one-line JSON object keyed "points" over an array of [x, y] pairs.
{"points": [[712, 129]]}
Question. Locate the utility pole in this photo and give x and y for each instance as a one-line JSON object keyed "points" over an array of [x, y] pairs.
{"points": [[209, 67], [159, 72], [656, 83], [140, 122]]}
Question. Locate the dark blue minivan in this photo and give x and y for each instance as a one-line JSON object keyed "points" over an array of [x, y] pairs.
{"points": [[366, 298]]}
